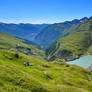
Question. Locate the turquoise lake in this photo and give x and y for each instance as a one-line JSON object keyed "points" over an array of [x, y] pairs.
{"points": [[84, 61]]}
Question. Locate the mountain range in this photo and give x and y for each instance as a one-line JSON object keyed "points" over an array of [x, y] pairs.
{"points": [[74, 45], [55, 31], [41, 34], [26, 67], [25, 31]]}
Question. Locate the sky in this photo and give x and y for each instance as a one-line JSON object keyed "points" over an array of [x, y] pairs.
{"points": [[43, 11]]}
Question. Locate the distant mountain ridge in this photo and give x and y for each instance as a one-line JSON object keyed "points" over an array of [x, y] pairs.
{"points": [[42, 34], [25, 31], [13, 43], [55, 31]]}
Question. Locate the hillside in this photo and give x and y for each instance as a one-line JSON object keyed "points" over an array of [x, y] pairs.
{"points": [[40, 76], [78, 43], [16, 44], [55, 31], [26, 31], [24, 68]]}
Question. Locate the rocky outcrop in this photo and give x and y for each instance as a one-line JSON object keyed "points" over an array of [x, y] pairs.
{"points": [[90, 72], [90, 68], [28, 64], [66, 54], [16, 55], [63, 54]]}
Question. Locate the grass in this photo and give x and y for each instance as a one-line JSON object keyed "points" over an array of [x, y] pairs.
{"points": [[42, 77], [8, 41]]}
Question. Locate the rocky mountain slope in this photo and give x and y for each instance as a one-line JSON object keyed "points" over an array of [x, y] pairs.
{"points": [[78, 43], [55, 31], [13, 43]]}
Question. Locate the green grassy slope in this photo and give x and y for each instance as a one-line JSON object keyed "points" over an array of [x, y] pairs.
{"points": [[77, 43], [10, 42], [55, 31], [42, 76]]}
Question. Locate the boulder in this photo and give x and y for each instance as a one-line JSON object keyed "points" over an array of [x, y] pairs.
{"points": [[16, 55], [28, 64], [28, 49], [90, 69], [46, 65], [67, 65]]}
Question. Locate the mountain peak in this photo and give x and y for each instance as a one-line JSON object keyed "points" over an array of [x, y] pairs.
{"points": [[90, 17], [83, 19]]}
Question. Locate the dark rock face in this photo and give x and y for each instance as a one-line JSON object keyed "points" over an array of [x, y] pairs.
{"points": [[66, 54]]}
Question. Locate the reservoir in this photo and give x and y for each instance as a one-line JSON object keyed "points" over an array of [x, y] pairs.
{"points": [[84, 61]]}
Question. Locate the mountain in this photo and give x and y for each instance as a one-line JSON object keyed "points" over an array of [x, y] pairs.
{"points": [[24, 69], [55, 31], [30, 74], [76, 44], [40, 33], [26, 31], [16, 44]]}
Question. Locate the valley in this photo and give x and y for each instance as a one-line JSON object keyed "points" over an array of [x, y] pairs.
{"points": [[73, 46], [52, 61], [26, 31]]}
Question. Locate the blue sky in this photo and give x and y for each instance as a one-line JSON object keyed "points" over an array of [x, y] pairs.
{"points": [[43, 11]]}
